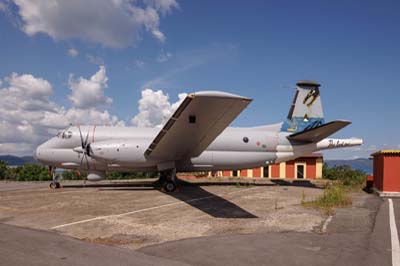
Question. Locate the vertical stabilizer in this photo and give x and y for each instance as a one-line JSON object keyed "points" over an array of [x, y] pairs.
{"points": [[306, 111]]}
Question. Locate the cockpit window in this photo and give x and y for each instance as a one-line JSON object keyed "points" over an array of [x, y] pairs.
{"points": [[66, 134]]}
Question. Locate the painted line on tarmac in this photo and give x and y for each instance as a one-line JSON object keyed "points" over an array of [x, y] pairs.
{"points": [[325, 226], [394, 236], [147, 209], [7, 197]]}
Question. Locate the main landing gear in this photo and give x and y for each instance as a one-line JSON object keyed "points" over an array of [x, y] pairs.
{"points": [[54, 184], [168, 180]]}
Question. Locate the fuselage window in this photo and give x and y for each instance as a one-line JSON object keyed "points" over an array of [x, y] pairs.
{"points": [[245, 139]]}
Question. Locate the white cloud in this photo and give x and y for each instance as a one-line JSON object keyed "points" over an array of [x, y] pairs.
{"points": [[139, 63], [158, 35], [112, 23], [95, 60], [373, 147], [363, 151], [188, 60], [164, 6], [2, 7], [164, 57], [28, 84], [79, 116], [28, 116], [155, 108], [87, 93], [73, 52]]}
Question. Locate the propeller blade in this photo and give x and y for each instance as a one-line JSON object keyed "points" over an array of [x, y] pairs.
{"points": [[82, 160], [89, 150], [87, 137], [80, 133], [87, 162]]}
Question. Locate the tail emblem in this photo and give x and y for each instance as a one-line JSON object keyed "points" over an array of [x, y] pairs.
{"points": [[311, 97]]}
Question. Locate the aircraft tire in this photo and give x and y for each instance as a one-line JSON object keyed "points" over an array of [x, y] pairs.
{"points": [[169, 186], [54, 185]]}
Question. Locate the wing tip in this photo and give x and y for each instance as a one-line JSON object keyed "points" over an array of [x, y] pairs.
{"points": [[217, 94]]}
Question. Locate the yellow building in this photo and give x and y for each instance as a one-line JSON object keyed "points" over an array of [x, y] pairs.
{"points": [[306, 167]]}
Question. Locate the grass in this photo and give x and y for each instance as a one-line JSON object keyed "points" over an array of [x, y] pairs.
{"points": [[335, 196]]}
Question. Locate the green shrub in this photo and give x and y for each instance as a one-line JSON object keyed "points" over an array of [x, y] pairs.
{"points": [[336, 196], [72, 175], [130, 175], [345, 175], [28, 172]]}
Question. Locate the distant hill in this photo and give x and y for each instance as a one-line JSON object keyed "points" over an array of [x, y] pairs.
{"points": [[16, 161], [363, 164]]}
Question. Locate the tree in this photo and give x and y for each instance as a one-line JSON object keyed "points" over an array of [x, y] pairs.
{"points": [[3, 170], [32, 172]]}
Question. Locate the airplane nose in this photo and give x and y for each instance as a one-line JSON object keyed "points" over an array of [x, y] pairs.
{"points": [[36, 154]]}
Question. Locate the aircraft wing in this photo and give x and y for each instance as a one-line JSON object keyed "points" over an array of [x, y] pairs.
{"points": [[200, 118], [319, 133]]}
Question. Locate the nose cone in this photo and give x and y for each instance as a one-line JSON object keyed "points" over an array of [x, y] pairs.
{"points": [[36, 153]]}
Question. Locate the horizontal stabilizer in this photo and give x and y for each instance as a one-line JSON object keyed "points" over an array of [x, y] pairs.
{"points": [[319, 133]]}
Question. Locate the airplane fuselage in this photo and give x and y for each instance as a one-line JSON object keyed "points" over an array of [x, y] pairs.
{"points": [[123, 149]]}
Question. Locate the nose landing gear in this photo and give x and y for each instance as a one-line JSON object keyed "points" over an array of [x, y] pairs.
{"points": [[54, 184]]}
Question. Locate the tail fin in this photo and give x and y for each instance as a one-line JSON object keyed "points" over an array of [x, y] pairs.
{"points": [[306, 111]]}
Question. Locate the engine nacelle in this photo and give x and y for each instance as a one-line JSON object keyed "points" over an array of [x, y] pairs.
{"points": [[120, 151], [96, 176]]}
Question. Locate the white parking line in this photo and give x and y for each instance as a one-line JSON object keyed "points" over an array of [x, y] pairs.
{"points": [[146, 209], [394, 236], [325, 226]]}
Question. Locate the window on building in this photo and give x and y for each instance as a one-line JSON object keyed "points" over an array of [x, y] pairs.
{"points": [[266, 171]]}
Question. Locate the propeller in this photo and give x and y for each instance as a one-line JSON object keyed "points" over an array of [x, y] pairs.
{"points": [[85, 148]]}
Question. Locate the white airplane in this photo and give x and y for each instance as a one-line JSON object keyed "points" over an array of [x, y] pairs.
{"points": [[196, 138]]}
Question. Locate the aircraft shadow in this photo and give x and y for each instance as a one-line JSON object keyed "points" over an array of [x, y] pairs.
{"points": [[191, 194], [207, 202], [194, 195], [273, 182]]}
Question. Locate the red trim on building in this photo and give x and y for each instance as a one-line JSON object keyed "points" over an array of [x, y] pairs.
{"points": [[290, 169], [257, 172], [311, 168], [226, 173], [275, 172]]}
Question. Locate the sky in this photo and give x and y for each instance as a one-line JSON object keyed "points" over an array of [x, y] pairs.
{"points": [[125, 62]]}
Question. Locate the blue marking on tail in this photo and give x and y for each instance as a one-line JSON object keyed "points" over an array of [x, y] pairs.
{"points": [[299, 124]]}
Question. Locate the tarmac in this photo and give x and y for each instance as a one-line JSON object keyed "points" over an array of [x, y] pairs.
{"points": [[199, 225]]}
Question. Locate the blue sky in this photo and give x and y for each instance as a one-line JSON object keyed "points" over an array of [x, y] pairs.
{"points": [[257, 49]]}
